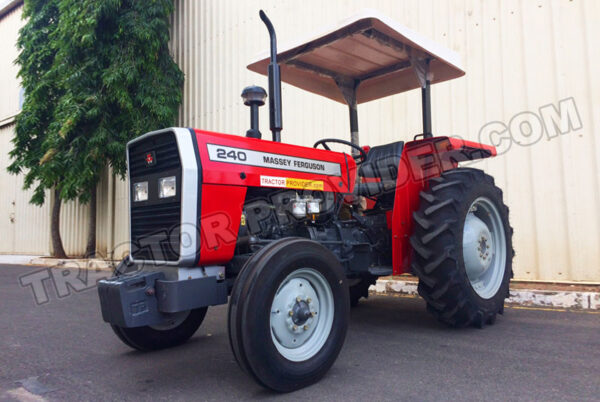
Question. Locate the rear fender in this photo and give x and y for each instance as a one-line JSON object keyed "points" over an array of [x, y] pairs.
{"points": [[421, 161]]}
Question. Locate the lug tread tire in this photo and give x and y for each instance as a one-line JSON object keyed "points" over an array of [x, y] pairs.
{"points": [[437, 248]]}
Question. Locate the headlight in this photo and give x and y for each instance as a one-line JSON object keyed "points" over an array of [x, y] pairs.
{"points": [[140, 191], [313, 206], [299, 208], [166, 187], [302, 206]]}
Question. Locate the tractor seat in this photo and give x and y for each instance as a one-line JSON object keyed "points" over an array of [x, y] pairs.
{"points": [[382, 163]]}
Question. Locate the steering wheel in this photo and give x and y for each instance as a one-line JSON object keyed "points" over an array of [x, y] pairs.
{"points": [[358, 158]]}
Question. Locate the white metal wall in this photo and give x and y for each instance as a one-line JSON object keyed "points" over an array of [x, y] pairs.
{"points": [[25, 228], [519, 56], [9, 101]]}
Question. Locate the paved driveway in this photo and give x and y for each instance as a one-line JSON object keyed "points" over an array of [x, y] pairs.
{"points": [[62, 350]]}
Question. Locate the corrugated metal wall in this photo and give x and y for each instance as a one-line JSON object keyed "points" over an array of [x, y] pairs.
{"points": [[24, 227], [9, 101], [519, 56]]}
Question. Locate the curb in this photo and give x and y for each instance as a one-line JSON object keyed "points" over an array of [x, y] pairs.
{"points": [[522, 297], [92, 264]]}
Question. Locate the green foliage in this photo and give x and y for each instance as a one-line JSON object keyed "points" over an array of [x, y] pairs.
{"points": [[35, 146], [96, 74]]}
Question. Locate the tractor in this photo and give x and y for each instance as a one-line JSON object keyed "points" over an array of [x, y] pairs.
{"points": [[293, 236]]}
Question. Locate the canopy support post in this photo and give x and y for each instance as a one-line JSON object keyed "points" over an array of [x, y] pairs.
{"points": [[426, 109], [348, 88], [421, 69], [353, 124]]}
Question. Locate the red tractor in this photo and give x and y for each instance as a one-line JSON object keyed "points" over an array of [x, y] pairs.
{"points": [[294, 235]]}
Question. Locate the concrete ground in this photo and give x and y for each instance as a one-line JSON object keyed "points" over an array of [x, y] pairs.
{"points": [[61, 350]]}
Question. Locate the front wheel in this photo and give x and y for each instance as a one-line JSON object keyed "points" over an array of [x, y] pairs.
{"points": [[176, 330], [361, 289], [462, 246], [288, 314]]}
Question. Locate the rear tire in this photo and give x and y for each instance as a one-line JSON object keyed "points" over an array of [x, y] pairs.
{"points": [[287, 351], [462, 248]]}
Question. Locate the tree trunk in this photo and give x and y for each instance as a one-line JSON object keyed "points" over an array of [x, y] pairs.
{"points": [[57, 245], [90, 249]]}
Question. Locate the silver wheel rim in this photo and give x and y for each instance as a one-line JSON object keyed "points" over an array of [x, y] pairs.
{"points": [[484, 247], [173, 321], [302, 314]]}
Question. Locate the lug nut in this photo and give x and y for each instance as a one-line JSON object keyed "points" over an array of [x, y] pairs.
{"points": [[295, 327], [305, 327], [298, 299], [312, 313], [291, 313], [308, 300]]}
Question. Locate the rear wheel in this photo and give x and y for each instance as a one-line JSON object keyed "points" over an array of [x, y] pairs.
{"points": [[462, 246], [288, 314]]}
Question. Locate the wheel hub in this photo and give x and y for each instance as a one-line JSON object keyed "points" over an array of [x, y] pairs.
{"points": [[294, 313], [173, 321], [477, 246], [302, 314], [484, 247]]}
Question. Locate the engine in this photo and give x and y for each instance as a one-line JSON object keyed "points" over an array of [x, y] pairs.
{"points": [[359, 238]]}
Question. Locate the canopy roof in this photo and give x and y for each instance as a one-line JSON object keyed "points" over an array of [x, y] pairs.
{"points": [[369, 47]]}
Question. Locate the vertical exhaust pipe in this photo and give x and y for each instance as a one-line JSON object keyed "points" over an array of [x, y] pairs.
{"points": [[274, 82]]}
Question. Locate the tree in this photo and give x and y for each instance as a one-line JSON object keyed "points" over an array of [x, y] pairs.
{"points": [[36, 144], [117, 81]]}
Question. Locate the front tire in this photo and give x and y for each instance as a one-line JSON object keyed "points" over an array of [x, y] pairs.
{"points": [[288, 314], [361, 289], [175, 331], [462, 246]]}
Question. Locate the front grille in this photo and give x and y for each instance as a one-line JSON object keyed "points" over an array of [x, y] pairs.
{"points": [[155, 224], [165, 148], [155, 232]]}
